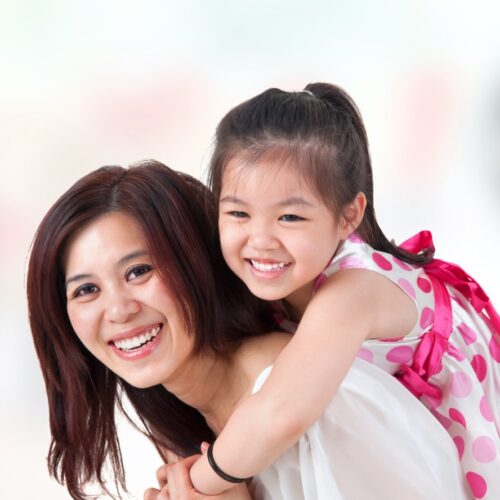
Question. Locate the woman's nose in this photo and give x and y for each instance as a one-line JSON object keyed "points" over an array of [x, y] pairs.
{"points": [[120, 307]]}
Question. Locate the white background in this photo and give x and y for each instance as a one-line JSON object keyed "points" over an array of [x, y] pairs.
{"points": [[83, 84]]}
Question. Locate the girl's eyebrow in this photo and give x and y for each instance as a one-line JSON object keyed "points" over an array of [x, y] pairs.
{"points": [[295, 200], [292, 201], [231, 199], [123, 260]]}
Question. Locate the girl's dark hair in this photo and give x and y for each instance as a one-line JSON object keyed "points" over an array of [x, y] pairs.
{"points": [[178, 217], [321, 131]]}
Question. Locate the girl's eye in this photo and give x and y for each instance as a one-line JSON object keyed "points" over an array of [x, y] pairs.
{"points": [[238, 214], [85, 290], [138, 271], [291, 218]]}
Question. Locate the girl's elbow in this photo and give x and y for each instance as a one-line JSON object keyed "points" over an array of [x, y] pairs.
{"points": [[287, 425]]}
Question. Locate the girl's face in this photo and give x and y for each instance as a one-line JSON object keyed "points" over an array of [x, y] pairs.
{"points": [[119, 307], [276, 233]]}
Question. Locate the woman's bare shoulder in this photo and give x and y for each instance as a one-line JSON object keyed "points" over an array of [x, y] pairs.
{"points": [[259, 352]]}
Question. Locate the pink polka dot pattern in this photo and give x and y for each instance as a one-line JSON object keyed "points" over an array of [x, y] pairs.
{"points": [[381, 261], [468, 334], [400, 354], [455, 352], [477, 484], [494, 347], [460, 384], [427, 317], [406, 286], [444, 421], [485, 410], [484, 450], [351, 262], [354, 238], [479, 366], [459, 443], [424, 285], [365, 354], [457, 416], [401, 264]]}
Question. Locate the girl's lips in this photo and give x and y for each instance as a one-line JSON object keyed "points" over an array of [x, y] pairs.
{"points": [[139, 352]]}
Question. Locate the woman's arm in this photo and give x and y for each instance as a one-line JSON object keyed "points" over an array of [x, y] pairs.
{"points": [[350, 307]]}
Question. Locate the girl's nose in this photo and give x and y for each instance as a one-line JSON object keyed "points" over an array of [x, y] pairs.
{"points": [[121, 307], [262, 239]]}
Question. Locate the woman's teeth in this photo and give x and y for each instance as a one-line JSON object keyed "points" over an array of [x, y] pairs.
{"points": [[261, 266], [138, 341]]}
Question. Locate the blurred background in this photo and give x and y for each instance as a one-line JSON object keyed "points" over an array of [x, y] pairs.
{"points": [[85, 84]]}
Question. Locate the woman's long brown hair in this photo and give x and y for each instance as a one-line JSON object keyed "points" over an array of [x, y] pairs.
{"points": [[178, 217]]}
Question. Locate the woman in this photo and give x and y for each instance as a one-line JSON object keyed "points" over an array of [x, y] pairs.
{"points": [[128, 293]]}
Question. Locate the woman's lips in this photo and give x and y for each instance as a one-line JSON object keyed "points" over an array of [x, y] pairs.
{"points": [[138, 343]]}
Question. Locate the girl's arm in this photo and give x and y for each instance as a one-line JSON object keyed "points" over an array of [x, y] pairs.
{"points": [[351, 306], [173, 481]]}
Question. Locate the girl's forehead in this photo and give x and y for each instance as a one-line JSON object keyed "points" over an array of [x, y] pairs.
{"points": [[265, 168]]}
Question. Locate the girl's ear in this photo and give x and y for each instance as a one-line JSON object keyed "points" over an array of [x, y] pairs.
{"points": [[352, 216]]}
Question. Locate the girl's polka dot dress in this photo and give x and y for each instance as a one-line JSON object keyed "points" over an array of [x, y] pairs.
{"points": [[450, 359]]}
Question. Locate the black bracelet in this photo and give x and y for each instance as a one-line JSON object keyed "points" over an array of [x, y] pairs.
{"points": [[218, 470]]}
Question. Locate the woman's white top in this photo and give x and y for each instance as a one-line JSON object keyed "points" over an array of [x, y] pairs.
{"points": [[374, 441]]}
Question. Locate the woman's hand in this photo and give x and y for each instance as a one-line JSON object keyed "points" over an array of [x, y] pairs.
{"points": [[175, 484]]}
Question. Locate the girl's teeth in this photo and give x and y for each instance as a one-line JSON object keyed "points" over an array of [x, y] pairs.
{"points": [[139, 340], [260, 266]]}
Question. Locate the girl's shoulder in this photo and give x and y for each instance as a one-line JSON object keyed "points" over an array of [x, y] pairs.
{"points": [[354, 253]]}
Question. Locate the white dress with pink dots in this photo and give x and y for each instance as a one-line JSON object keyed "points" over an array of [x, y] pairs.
{"points": [[451, 357]]}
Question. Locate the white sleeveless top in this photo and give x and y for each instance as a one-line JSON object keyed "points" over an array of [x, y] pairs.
{"points": [[374, 441]]}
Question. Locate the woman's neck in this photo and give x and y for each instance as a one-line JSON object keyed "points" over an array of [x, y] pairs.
{"points": [[213, 385], [216, 385]]}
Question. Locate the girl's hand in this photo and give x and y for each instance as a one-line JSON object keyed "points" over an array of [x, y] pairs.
{"points": [[175, 484]]}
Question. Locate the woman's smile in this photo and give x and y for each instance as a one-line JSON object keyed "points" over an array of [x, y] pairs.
{"points": [[118, 305]]}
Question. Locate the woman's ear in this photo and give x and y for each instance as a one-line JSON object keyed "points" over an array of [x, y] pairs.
{"points": [[352, 215]]}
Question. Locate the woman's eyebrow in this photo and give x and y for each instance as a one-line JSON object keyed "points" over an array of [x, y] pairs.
{"points": [[123, 260], [132, 256], [76, 277]]}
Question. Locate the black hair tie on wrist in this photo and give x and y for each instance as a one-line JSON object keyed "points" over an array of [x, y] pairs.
{"points": [[218, 470]]}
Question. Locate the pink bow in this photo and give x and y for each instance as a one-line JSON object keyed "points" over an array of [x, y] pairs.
{"points": [[434, 343]]}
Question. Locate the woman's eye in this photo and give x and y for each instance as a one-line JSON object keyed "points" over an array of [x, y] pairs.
{"points": [[138, 271], [238, 214], [85, 290], [291, 218]]}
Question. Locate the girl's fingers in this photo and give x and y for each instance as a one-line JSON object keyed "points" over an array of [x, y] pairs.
{"points": [[179, 482], [161, 475], [204, 447], [151, 494], [171, 456]]}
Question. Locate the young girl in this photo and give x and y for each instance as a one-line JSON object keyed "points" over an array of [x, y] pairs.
{"points": [[297, 224]]}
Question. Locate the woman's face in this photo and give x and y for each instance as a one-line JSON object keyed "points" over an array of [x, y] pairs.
{"points": [[119, 307]]}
